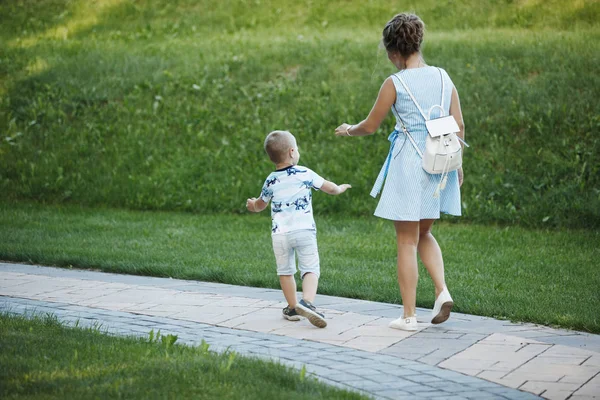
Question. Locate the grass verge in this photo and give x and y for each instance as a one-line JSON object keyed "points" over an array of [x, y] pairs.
{"points": [[41, 358]]}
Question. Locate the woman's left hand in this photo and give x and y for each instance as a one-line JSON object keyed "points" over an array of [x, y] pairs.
{"points": [[342, 130], [460, 177]]}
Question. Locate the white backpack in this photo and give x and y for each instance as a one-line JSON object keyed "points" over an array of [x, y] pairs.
{"points": [[443, 152]]}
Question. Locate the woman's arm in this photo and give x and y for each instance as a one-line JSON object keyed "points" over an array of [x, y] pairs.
{"points": [[385, 100], [456, 112]]}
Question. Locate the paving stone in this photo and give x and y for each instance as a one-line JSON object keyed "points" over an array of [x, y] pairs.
{"points": [[398, 383], [398, 395], [451, 387], [396, 360], [519, 395], [419, 389], [402, 372], [277, 345], [325, 363], [342, 366], [343, 357], [421, 367], [366, 362], [385, 379], [436, 394], [366, 385], [423, 378], [405, 353], [446, 374], [337, 349], [458, 378], [316, 345], [482, 385], [481, 394], [502, 391], [344, 377]]}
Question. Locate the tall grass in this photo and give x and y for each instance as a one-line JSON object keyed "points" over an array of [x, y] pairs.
{"points": [[164, 105]]}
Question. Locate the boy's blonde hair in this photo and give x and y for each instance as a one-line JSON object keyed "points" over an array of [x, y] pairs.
{"points": [[277, 145]]}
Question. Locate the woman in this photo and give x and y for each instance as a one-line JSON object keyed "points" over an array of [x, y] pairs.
{"points": [[412, 197]]}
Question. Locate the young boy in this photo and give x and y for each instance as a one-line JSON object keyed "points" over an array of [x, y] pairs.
{"points": [[293, 227]]}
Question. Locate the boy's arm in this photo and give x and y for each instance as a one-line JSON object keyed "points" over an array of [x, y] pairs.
{"points": [[256, 205], [331, 188]]}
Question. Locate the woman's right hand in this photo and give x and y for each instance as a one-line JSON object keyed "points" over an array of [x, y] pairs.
{"points": [[342, 130], [460, 177]]}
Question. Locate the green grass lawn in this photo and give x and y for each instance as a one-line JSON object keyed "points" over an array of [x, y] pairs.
{"points": [[542, 276], [164, 105], [42, 359]]}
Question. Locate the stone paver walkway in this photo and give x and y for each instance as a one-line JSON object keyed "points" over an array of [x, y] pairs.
{"points": [[468, 357]]}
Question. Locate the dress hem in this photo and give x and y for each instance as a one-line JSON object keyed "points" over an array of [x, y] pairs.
{"points": [[412, 219]]}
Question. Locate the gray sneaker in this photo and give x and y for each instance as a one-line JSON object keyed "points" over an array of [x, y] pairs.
{"points": [[290, 314], [307, 310]]}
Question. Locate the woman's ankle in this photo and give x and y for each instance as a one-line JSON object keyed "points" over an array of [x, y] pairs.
{"points": [[438, 291], [409, 313]]}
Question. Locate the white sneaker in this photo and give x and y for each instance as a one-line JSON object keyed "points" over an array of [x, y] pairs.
{"points": [[404, 324], [442, 307]]}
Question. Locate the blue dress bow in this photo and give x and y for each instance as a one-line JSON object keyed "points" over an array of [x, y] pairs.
{"points": [[386, 166]]}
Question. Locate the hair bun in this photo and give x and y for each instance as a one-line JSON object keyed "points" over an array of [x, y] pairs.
{"points": [[404, 34]]}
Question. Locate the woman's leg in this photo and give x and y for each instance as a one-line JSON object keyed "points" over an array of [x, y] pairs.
{"points": [[407, 235], [431, 255]]}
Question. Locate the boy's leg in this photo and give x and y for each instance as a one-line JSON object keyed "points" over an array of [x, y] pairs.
{"points": [[288, 285], [286, 267], [305, 243], [309, 286], [308, 263]]}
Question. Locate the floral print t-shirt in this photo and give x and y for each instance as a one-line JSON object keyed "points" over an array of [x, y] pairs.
{"points": [[289, 191]]}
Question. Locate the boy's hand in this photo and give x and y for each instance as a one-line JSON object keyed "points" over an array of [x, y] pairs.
{"points": [[250, 204], [331, 188], [344, 187], [256, 205]]}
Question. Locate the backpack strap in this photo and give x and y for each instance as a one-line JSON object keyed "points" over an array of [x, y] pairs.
{"points": [[428, 117], [443, 87], [407, 133], [397, 76]]}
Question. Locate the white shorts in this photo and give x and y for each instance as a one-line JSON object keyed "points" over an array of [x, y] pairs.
{"points": [[303, 243]]}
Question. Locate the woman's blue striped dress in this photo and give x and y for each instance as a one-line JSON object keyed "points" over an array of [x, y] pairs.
{"points": [[408, 194]]}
